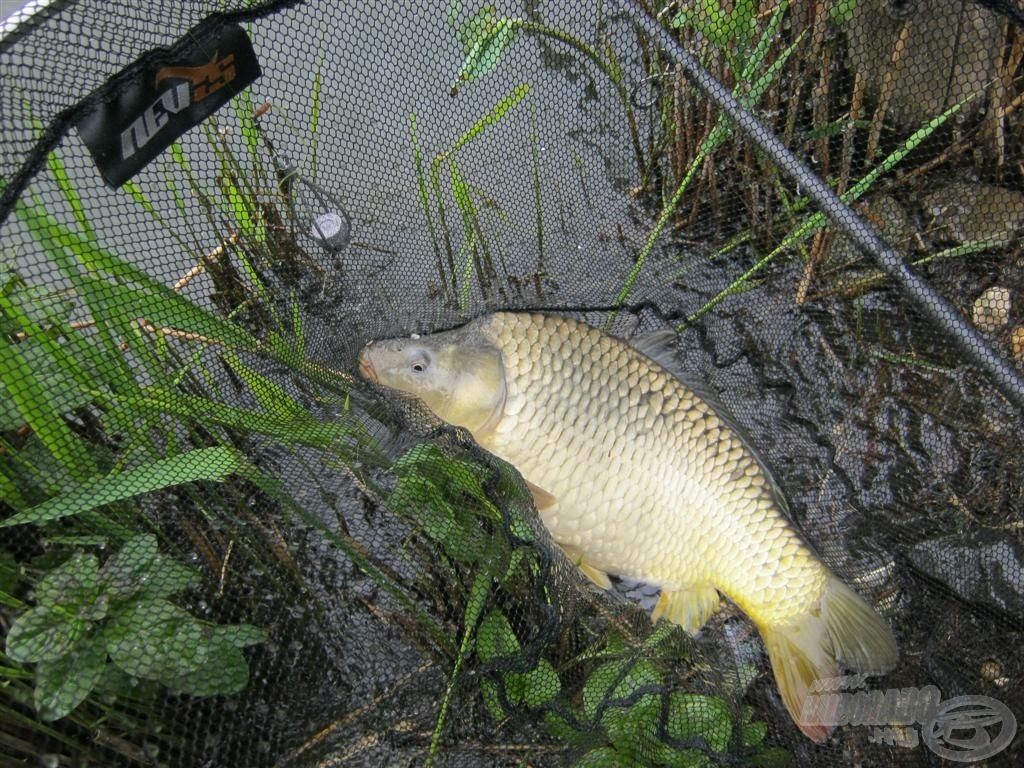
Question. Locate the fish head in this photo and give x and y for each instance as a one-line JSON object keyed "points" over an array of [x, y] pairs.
{"points": [[460, 379]]}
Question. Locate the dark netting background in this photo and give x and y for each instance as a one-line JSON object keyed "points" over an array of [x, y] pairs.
{"points": [[232, 552]]}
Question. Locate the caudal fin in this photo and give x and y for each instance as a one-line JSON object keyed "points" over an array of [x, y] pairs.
{"points": [[843, 631]]}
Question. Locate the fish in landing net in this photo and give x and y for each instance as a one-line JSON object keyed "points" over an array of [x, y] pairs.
{"points": [[636, 475]]}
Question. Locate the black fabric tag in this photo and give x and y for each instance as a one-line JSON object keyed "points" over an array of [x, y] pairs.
{"points": [[141, 111]]}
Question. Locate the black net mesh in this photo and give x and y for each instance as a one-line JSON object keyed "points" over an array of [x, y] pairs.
{"points": [[222, 547]]}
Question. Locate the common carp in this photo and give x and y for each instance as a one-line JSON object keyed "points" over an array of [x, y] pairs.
{"points": [[636, 475]]}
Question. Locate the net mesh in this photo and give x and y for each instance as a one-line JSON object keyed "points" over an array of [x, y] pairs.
{"points": [[221, 547]]}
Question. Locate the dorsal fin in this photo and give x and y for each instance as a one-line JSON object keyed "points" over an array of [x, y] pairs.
{"points": [[660, 346]]}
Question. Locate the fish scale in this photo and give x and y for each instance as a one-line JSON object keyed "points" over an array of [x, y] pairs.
{"points": [[686, 444], [636, 475]]}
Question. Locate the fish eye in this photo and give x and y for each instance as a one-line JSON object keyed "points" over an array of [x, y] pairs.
{"points": [[420, 361]]}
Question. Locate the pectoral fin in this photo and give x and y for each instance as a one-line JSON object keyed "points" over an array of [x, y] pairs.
{"points": [[541, 498], [599, 577], [689, 607]]}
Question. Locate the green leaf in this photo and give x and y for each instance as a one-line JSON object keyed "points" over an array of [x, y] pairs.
{"points": [[74, 586], [496, 113], [40, 305], [156, 640], [30, 399], [471, 31], [62, 684], [754, 733], [226, 674], [240, 635], [139, 568], [159, 401], [433, 489], [495, 638], [452, 476], [486, 52], [10, 572], [215, 464], [539, 686], [601, 685], [164, 310], [61, 391], [116, 682], [634, 731], [270, 394], [454, 11], [842, 11], [606, 757], [60, 175], [693, 715], [42, 634]]}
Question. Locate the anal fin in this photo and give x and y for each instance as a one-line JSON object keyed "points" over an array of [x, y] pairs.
{"points": [[596, 575], [689, 607], [541, 498]]}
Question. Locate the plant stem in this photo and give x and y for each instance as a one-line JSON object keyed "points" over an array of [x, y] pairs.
{"points": [[474, 608]]}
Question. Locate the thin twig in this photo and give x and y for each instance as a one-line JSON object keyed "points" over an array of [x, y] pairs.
{"points": [[888, 86]]}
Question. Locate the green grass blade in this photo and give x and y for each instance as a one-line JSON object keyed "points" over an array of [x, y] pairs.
{"points": [[314, 117], [245, 113], [496, 113], [212, 464], [166, 310], [29, 396], [818, 220], [70, 194], [421, 181], [139, 197], [535, 160], [268, 393], [298, 431]]}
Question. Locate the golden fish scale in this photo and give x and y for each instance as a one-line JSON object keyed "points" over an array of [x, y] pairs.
{"points": [[649, 482]]}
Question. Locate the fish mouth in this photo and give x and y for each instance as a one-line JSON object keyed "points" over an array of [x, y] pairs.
{"points": [[366, 367]]}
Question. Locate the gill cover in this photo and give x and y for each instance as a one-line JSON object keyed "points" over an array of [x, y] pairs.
{"points": [[461, 381]]}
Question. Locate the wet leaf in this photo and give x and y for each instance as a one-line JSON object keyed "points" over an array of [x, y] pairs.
{"points": [[240, 635], [693, 715], [495, 638], [634, 731], [842, 11], [434, 490], [42, 634], [539, 686], [62, 684], [215, 463], [139, 569], [226, 673], [67, 582], [604, 682], [74, 586], [156, 639], [754, 733], [606, 757]]}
